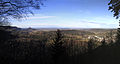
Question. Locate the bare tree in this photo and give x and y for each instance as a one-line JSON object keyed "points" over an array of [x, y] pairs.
{"points": [[17, 8]]}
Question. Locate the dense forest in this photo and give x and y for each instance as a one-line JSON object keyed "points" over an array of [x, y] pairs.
{"points": [[31, 46]]}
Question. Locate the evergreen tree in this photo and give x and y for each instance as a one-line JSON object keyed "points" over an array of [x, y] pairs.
{"points": [[103, 42], [58, 48], [90, 45]]}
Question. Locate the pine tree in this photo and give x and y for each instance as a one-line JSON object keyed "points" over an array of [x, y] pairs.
{"points": [[103, 42], [90, 45], [58, 48]]}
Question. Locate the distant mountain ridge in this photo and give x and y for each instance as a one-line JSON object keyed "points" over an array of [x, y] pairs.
{"points": [[49, 29]]}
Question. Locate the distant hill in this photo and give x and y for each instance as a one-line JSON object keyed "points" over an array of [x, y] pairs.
{"points": [[10, 28], [86, 29], [77, 32]]}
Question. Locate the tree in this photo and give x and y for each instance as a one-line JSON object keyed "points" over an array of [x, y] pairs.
{"points": [[103, 42], [58, 48], [118, 36], [17, 8], [4, 23], [90, 45], [114, 6]]}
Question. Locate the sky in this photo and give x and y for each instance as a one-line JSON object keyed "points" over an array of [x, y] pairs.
{"points": [[70, 14]]}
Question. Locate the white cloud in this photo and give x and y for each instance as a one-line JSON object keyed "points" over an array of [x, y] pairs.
{"points": [[101, 22], [40, 17], [82, 24], [96, 22]]}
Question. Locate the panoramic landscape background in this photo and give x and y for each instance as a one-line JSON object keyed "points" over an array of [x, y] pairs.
{"points": [[59, 32]]}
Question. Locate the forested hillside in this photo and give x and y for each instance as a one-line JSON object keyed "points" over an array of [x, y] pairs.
{"points": [[56, 47]]}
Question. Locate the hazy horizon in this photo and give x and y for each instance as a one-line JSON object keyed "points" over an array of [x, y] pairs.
{"points": [[60, 28]]}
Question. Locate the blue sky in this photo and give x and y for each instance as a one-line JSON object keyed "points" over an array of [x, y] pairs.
{"points": [[70, 14]]}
